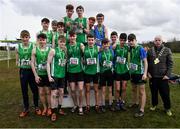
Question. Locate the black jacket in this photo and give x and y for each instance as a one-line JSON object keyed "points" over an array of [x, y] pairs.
{"points": [[164, 67]]}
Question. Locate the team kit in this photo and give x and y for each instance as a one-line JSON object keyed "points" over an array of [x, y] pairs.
{"points": [[77, 55]]}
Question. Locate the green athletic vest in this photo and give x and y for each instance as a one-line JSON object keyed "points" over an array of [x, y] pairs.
{"points": [[49, 35], [74, 58], [81, 37], [91, 60], [58, 65], [55, 37], [41, 60], [67, 19], [106, 61], [24, 56], [121, 59], [136, 64]]}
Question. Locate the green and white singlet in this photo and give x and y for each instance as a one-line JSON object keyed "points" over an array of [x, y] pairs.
{"points": [[91, 60], [58, 65], [24, 54], [41, 60]]}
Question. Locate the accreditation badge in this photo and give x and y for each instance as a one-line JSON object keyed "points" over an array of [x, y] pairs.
{"points": [[133, 67], [74, 61], [91, 61], [42, 66], [25, 62], [62, 62], [121, 60], [107, 64]]}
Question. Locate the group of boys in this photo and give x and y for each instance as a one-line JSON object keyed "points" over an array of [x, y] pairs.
{"points": [[78, 54]]}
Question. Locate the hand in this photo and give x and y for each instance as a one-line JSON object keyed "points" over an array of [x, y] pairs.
{"points": [[149, 75], [80, 25], [17, 63], [51, 79], [37, 79], [144, 77], [165, 78], [68, 24]]}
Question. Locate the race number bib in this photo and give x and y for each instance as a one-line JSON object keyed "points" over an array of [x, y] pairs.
{"points": [[107, 64], [25, 62], [62, 62], [91, 61], [74, 61], [121, 60], [98, 41], [42, 66], [133, 66]]}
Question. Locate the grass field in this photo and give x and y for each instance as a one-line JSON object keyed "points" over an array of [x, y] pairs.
{"points": [[11, 106]]}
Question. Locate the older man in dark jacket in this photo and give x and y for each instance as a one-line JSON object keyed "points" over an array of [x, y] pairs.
{"points": [[160, 66]]}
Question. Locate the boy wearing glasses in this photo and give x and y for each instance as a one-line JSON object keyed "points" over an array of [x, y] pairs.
{"points": [[138, 70]]}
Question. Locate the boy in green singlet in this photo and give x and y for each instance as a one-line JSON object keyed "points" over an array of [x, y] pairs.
{"points": [[75, 71], [55, 33], [138, 70], [82, 26], [56, 69], [23, 60], [91, 68], [121, 70], [45, 30], [39, 64]]}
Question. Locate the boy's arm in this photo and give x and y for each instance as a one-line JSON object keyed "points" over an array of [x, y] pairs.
{"points": [[53, 41], [144, 58], [106, 32], [82, 47], [49, 61], [33, 58], [86, 30]]}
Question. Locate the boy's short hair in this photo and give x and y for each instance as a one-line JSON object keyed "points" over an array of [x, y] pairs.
{"points": [[72, 33], [90, 36], [105, 41], [24, 33], [100, 15], [62, 38], [42, 35], [54, 22], [80, 7], [131, 37], [123, 36], [114, 33], [69, 7], [92, 18], [60, 24], [46, 20]]}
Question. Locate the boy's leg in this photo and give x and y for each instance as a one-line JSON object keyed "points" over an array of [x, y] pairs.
{"points": [[124, 85], [96, 92], [87, 94], [34, 89], [24, 88], [142, 97], [80, 86], [134, 94], [43, 99], [73, 93]]}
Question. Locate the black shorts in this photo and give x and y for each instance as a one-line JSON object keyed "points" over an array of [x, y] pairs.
{"points": [[75, 77], [137, 79], [58, 83], [106, 78], [122, 77], [44, 81], [91, 78]]}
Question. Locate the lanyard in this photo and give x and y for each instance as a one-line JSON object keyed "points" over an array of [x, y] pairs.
{"points": [[73, 50], [91, 54], [61, 54], [107, 56]]}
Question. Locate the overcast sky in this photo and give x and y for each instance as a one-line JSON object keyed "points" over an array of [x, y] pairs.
{"points": [[145, 18]]}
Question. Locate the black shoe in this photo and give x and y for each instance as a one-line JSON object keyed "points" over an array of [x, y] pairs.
{"points": [[74, 109], [97, 109], [111, 108], [117, 107], [122, 106], [103, 109], [139, 114], [87, 110]]}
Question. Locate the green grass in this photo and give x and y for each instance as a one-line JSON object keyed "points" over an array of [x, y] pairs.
{"points": [[11, 106]]}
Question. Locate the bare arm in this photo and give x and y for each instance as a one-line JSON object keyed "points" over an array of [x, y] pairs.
{"points": [[33, 60], [49, 61], [82, 47], [87, 27], [106, 32], [145, 69]]}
